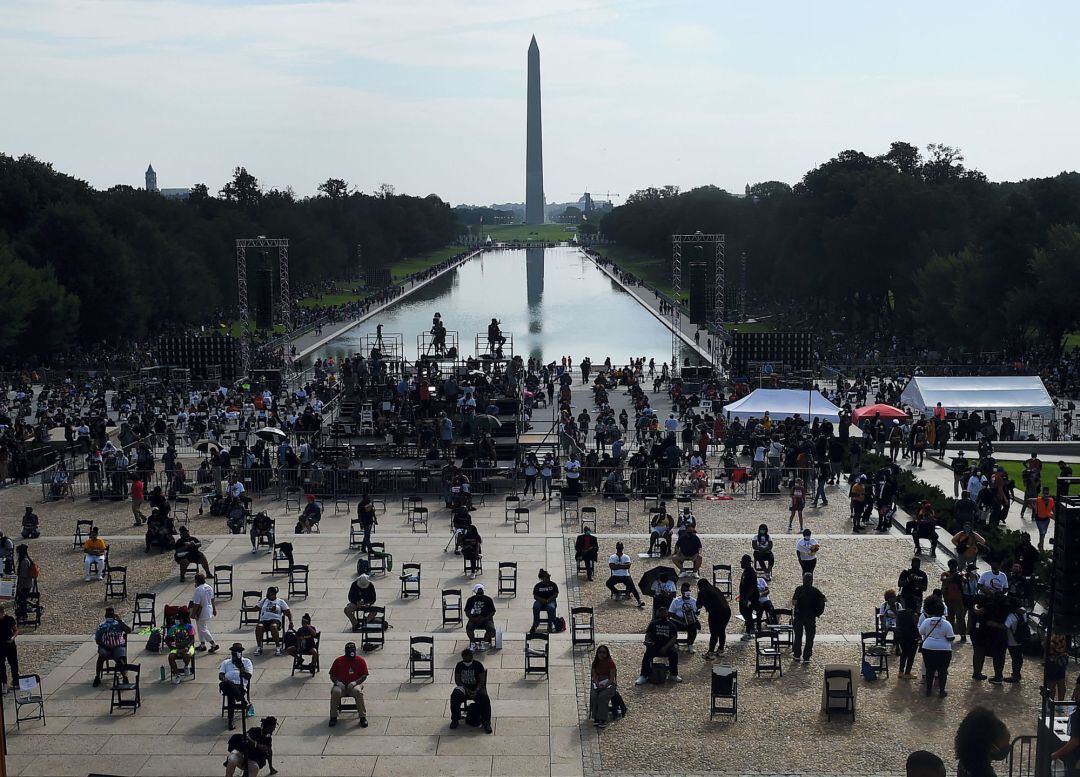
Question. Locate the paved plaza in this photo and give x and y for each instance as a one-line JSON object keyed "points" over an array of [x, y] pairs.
{"points": [[540, 725]]}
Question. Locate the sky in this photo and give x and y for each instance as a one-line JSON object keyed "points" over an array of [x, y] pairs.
{"points": [[429, 95]]}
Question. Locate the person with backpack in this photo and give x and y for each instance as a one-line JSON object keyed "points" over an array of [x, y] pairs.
{"points": [[1018, 634], [807, 605]]}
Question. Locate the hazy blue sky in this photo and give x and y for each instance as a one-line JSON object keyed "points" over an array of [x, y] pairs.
{"points": [[429, 95]]}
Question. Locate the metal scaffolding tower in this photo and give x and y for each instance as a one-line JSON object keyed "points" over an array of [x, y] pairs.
{"points": [[715, 299], [285, 300]]}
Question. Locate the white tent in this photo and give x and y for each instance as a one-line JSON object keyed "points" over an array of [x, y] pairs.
{"points": [[1006, 393], [784, 403]]}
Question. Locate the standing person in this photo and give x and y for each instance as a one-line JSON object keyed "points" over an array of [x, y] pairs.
{"points": [[1043, 507], [602, 686], [547, 473], [619, 564], [960, 473], [937, 638], [531, 470], [138, 496], [347, 674], [913, 583], [907, 640], [798, 503], [715, 604], [988, 638], [952, 590], [204, 607], [748, 597], [470, 682], [25, 579], [368, 519], [1055, 666], [9, 629], [806, 550], [1017, 632], [807, 605]]}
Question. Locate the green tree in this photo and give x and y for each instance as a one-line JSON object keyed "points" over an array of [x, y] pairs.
{"points": [[243, 189]]}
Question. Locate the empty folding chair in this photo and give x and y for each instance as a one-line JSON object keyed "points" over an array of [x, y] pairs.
{"points": [[582, 626], [521, 520], [452, 607], [116, 583], [511, 503], [724, 695], [721, 578], [507, 580], [145, 612], [298, 580], [126, 694], [621, 509], [588, 518], [422, 658], [28, 694], [223, 580], [536, 653], [410, 580]]}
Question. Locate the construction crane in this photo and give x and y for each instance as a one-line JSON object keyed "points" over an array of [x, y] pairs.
{"points": [[589, 198]]}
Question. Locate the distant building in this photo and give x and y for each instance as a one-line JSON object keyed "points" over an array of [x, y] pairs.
{"points": [[151, 179], [176, 194]]}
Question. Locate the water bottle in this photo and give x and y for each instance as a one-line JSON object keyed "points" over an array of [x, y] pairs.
{"points": [[161, 674]]}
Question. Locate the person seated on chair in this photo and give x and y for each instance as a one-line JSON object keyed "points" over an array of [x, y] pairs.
{"points": [[664, 592], [470, 682], [159, 530], [272, 611], [94, 550], [660, 642], [253, 750], [684, 611], [233, 679], [111, 639], [348, 673], [687, 547], [762, 545], [545, 597], [887, 612], [660, 528], [480, 611], [186, 552], [586, 549], [30, 529], [619, 564], [472, 550], [310, 518], [303, 643], [180, 639], [764, 611], [687, 521], [361, 600], [262, 527]]}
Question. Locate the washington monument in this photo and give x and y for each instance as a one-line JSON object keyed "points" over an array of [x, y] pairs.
{"points": [[534, 144]]}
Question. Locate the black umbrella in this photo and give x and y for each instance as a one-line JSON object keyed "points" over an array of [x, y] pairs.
{"points": [[645, 585]]}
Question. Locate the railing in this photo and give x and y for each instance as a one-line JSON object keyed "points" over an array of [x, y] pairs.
{"points": [[1022, 756]]}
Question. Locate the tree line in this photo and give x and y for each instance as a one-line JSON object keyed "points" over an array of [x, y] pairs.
{"points": [[80, 266], [903, 243]]}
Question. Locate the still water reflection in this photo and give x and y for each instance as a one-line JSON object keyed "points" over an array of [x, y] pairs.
{"points": [[554, 301]]}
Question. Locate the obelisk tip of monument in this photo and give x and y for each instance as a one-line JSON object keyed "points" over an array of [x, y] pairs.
{"points": [[532, 43]]}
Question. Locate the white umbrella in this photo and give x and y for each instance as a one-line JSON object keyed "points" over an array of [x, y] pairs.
{"points": [[271, 434]]}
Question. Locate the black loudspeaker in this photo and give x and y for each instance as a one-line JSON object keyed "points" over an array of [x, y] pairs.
{"points": [[697, 290], [264, 298], [197, 353], [1067, 569], [782, 350]]}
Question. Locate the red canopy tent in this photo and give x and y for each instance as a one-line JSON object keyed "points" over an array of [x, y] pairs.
{"points": [[885, 411]]}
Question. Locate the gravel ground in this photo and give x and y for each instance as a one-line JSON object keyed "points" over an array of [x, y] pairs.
{"points": [[75, 607], [780, 729], [852, 573], [37, 657]]}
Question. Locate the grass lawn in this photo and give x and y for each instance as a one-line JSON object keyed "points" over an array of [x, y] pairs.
{"points": [[1015, 470], [1072, 341], [756, 326], [653, 269], [507, 232], [411, 264]]}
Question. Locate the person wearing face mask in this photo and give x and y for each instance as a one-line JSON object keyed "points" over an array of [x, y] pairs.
{"points": [[348, 674], [586, 549], [470, 680], [762, 545], [684, 611], [981, 739], [234, 678]]}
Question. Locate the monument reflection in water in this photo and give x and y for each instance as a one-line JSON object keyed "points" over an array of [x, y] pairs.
{"points": [[554, 301]]}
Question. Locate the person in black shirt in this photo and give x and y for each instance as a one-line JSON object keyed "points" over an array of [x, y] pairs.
{"points": [[545, 597], [587, 549], [368, 520], [688, 546], [361, 599], [9, 629], [660, 641], [715, 603], [470, 677], [186, 552], [252, 751], [913, 584], [480, 611], [807, 605], [748, 597]]}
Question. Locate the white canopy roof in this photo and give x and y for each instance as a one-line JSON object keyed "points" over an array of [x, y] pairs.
{"points": [[784, 403], [1007, 393]]}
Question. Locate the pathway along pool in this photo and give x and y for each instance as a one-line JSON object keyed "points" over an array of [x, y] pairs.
{"points": [[554, 301]]}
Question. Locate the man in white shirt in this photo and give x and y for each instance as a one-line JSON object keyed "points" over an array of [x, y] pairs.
{"points": [[619, 563], [234, 677], [807, 551], [974, 485], [684, 609], [272, 611], [671, 425], [236, 488], [205, 608], [995, 581]]}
